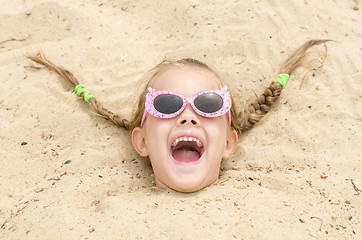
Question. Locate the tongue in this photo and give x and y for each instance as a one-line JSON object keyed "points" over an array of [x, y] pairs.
{"points": [[183, 155]]}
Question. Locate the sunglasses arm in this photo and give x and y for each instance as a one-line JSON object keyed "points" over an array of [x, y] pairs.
{"points": [[143, 117], [229, 117]]}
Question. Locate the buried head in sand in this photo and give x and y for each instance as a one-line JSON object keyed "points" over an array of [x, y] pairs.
{"points": [[186, 121]]}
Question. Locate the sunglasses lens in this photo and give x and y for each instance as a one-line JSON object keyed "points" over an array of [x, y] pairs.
{"points": [[209, 103], [167, 103]]}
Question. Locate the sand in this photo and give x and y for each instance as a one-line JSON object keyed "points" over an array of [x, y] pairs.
{"points": [[296, 175]]}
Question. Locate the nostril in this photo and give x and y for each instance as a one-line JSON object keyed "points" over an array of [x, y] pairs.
{"points": [[193, 122]]}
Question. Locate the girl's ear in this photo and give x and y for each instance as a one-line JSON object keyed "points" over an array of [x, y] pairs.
{"points": [[231, 142], [139, 142]]}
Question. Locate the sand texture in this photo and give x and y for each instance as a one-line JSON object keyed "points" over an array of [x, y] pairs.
{"points": [[295, 175]]}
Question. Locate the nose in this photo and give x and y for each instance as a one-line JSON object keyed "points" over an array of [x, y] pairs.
{"points": [[188, 116]]}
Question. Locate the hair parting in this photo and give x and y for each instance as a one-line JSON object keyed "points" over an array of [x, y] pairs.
{"points": [[254, 112], [96, 105]]}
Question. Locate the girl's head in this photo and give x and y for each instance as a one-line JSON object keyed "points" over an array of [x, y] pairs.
{"points": [[186, 150]]}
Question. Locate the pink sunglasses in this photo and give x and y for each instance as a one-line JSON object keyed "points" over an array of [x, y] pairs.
{"points": [[166, 104]]}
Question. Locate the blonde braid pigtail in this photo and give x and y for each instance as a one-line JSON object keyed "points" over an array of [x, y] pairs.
{"points": [[81, 91], [254, 112]]}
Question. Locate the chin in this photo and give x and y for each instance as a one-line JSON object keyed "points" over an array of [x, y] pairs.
{"points": [[186, 185]]}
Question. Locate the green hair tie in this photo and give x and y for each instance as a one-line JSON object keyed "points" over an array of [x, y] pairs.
{"points": [[283, 79], [79, 89]]}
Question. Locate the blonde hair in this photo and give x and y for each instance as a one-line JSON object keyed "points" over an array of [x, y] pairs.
{"points": [[164, 66], [240, 121]]}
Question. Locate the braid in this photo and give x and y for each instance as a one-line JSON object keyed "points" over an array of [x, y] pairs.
{"points": [[97, 106], [256, 110]]}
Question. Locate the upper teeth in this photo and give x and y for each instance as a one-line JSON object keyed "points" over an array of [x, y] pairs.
{"points": [[187, 139]]}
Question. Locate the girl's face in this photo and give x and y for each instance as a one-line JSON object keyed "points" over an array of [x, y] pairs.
{"points": [[185, 151]]}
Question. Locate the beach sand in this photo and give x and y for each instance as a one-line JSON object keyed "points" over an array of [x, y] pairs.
{"points": [[295, 175]]}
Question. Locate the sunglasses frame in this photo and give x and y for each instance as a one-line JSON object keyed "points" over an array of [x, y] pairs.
{"points": [[150, 108]]}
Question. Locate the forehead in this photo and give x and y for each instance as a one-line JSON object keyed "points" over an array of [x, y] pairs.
{"points": [[186, 80]]}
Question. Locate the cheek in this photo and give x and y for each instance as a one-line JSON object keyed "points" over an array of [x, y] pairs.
{"points": [[156, 133], [216, 130], [216, 126]]}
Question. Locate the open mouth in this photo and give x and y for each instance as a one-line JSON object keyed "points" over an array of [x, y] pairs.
{"points": [[187, 150]]}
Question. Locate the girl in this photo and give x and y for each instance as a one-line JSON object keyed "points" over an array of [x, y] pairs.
{"points": [[186, 121]]}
